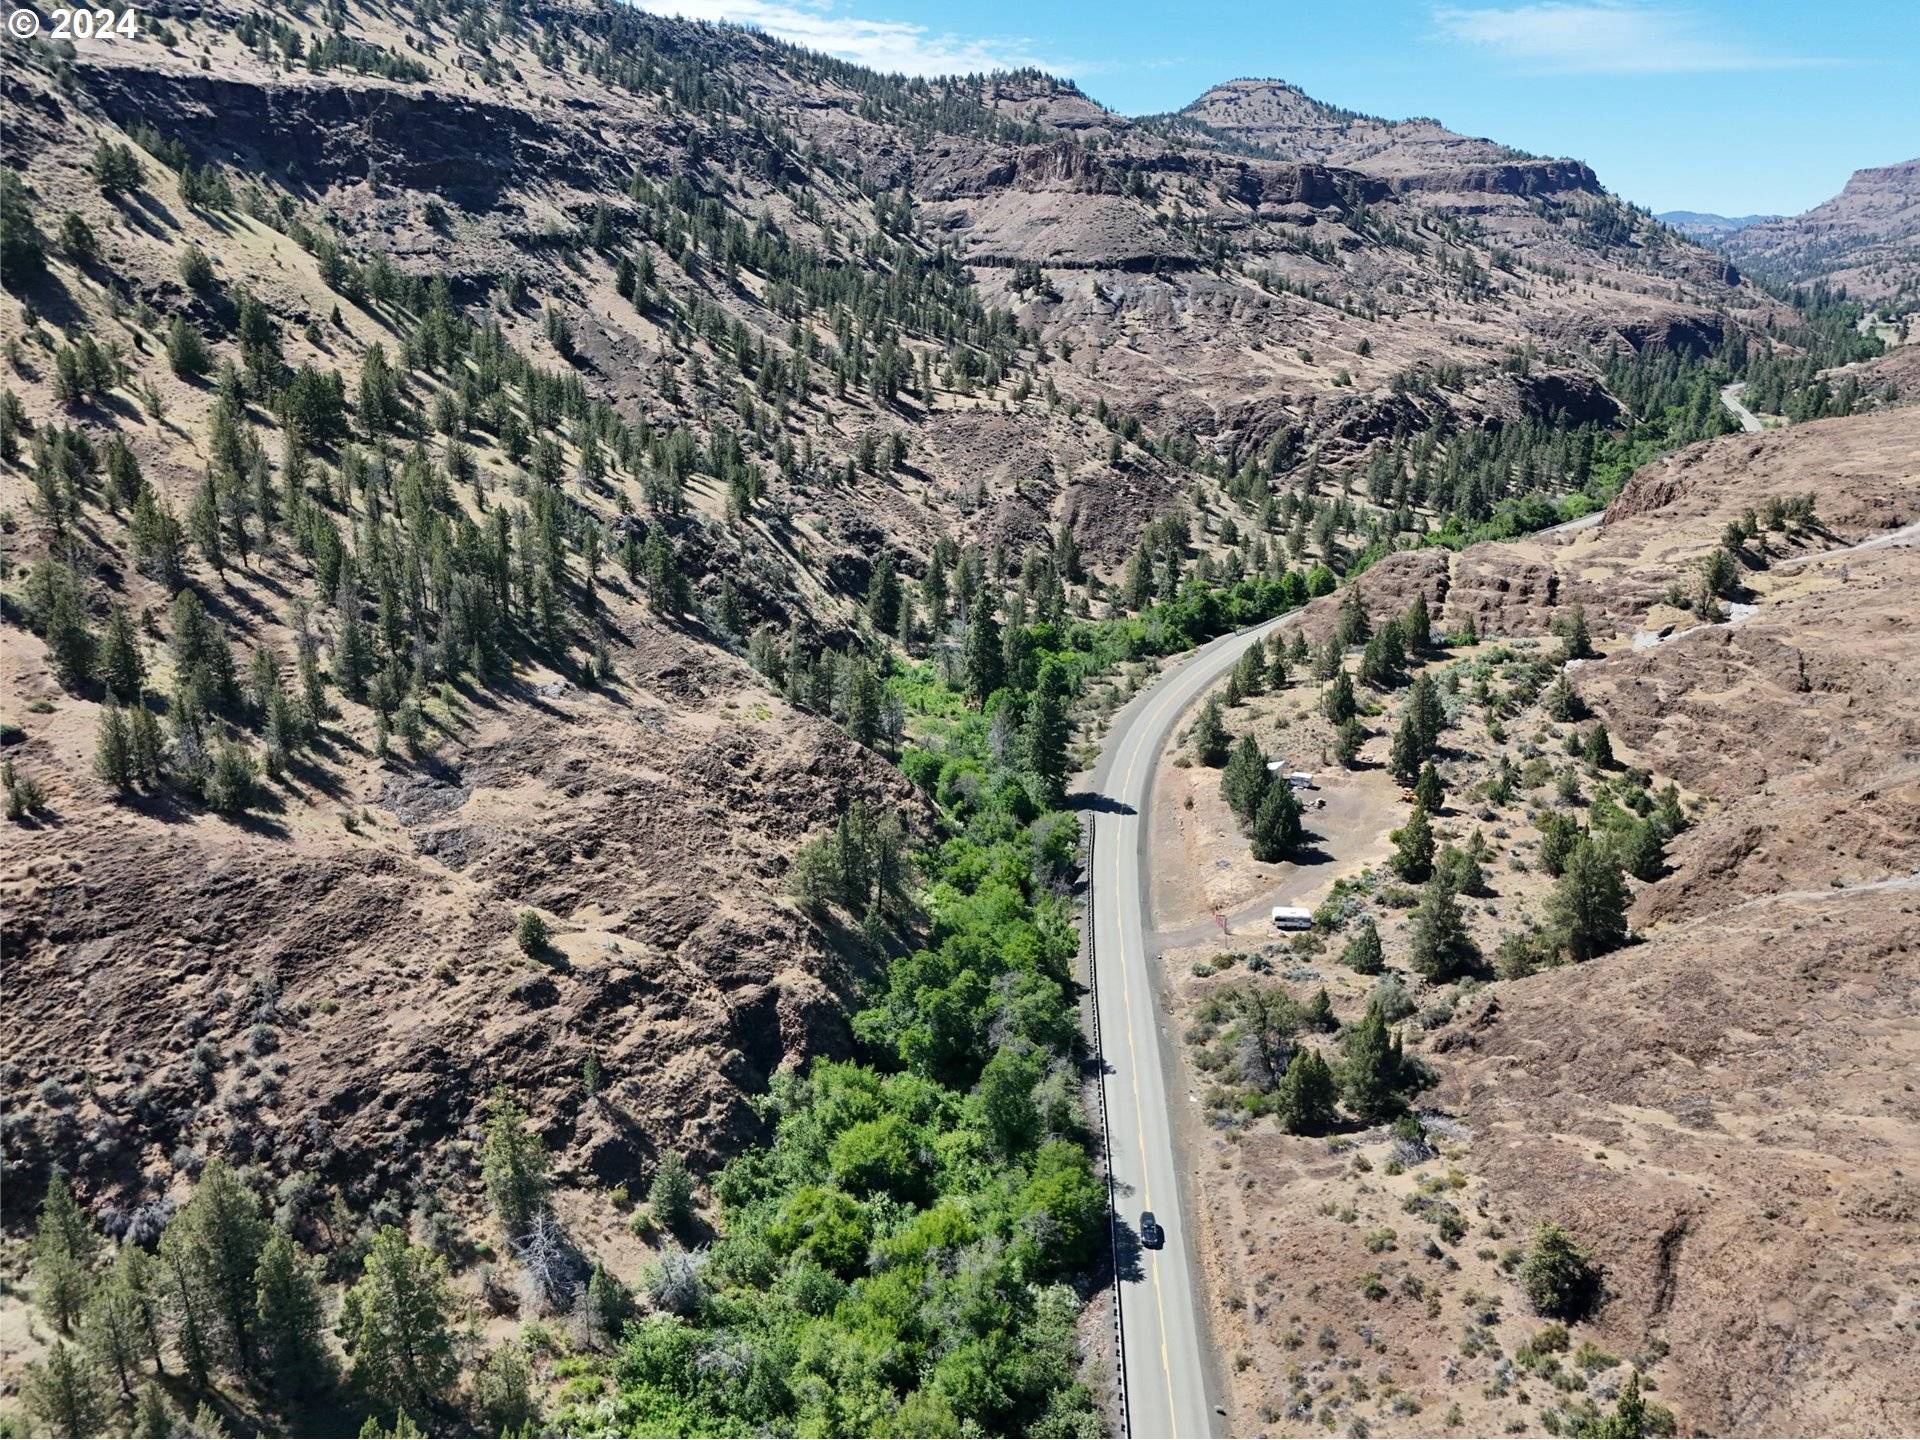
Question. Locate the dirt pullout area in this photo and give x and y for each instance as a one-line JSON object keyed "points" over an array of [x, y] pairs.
{"points": [[1722, 1112], [335, 986]]}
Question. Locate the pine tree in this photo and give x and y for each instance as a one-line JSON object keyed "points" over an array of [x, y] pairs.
{"points": [[395, 1325], [63, 1392], [883, 594], [220, 1232], [152, 1418], [1413, 847], [113, 749], [118, 1327], [513, 1165], [185, 1307], [290, 1316], [1370, 1079], [1277, 831], [1210, 739], [984, 660], [1643, 854], [1364, 954], [1304, 1103], [122, 670], [1047, 731], [1587, 910], [503, 1391], [1438, 945], [64, 1248]]}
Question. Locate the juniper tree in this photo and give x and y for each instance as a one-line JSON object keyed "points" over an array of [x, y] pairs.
{"points": [[145, 751], [1416, 627], [1278, 670], [1599, 748], [1404, 757], [116, 168], [1363, 953], [1305, 1101], [1352, 627], [1643, 851], [1338, 703], [1429, 716], [1413, 847], [113, 749], [1245, 780], [1211, 742], [57, 605], [1575, 643], [121, 669], [1587, 909], [1560, 1278], [1248, 672], [1428, 790], [1277, 831], [670, 1193], [1438, 945], [1372, 1068], [513, 1164], [1347, 740], [1558, 835]]}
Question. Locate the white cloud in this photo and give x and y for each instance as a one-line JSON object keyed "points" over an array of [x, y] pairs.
{"points": [[892, 46], [1601, 38]]}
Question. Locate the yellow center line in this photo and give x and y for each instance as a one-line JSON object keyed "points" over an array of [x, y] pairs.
{"points": [[1139, 1110]]}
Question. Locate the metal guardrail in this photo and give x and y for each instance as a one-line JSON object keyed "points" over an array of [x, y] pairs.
{"points": [[1106, 1132]]}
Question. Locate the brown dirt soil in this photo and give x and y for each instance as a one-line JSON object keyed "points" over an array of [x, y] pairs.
{"points": [[1721, 1112]]}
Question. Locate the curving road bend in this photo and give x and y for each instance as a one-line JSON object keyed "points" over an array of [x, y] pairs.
{"points": [[1162, 1326], [1730, 396]]}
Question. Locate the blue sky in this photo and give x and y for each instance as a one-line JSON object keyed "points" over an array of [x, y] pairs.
{"points": [[1734, 106]]}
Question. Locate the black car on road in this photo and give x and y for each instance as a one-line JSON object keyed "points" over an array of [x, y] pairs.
{"points": [[1151, 1234]]}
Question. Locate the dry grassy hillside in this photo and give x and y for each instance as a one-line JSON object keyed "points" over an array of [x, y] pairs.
{"points": [[1718, 1110]]}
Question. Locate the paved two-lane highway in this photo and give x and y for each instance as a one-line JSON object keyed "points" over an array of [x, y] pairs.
{"points": [[1162, 1327]]}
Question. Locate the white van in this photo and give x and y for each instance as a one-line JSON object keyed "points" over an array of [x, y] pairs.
{"points": [[1292, 917], [1301, 780]]}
